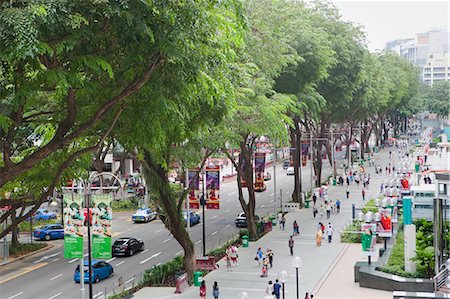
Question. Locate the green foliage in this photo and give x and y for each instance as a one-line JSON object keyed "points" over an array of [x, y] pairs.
{"points": [[131, 204], [160, 275], [25, 226], [425, 258], [435, 97], [351, 234], [22, 249]]}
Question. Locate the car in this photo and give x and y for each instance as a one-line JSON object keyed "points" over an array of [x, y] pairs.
{"points": [[100, 270], [143, 215], [43, 214], [290, 170], [241, 220], [193, 218], [127, 246], [267, 176], [286, 164], [49, 232]]}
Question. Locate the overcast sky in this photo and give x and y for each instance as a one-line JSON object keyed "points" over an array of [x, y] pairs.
{"points": [[384, 21]]}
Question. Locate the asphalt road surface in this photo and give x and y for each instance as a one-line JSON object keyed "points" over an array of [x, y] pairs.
{"points": [[48, 275]]}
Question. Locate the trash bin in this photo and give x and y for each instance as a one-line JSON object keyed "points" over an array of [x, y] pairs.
{"points": [[244, 241], [197, 278], [274, 221], [334, 182], [307, 204], [417, 167]]}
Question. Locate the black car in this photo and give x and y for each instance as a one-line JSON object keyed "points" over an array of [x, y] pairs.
{"points": [[241, 220], [127, 246]]}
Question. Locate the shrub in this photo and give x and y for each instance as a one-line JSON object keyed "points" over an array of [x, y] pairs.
{"points": [[351, 233], [164, 274], [130, 204], [21, 249], [24, 226]]}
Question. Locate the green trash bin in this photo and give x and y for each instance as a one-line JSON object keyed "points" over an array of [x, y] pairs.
{"points": [[307, 204], [334, 182], [274, 221], [197, 278], [417, 167], [244, 241]]}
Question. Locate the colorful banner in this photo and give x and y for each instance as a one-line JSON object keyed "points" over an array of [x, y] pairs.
{"points": [[305, 151], [368, 238], [243, 182], [213, 187], [74, 230], [384, 226], [194, 194], [260, 164], [101, 225]]}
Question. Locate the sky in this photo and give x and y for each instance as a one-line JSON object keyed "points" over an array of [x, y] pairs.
{"points": [[384, 21]]}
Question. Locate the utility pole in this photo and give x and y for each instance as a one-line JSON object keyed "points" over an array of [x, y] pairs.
{"points": [[311, 164], [275, 178], [203, 203], [333, 166], [348, 146]]}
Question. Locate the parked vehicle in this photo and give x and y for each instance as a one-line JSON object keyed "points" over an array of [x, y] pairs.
{"points": [[290, 170], [144, 215], [49, 232], [241, 220], [193, 218], [286, 164], [100, 270], [127, 246], [44, 214]]}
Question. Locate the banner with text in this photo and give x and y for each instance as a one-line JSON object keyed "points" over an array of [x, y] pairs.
{"points": [[101, 226], [260, 164], [243, 182], [368, 238], [384, 227], [213, 187], [194, 194], [73, 217]]}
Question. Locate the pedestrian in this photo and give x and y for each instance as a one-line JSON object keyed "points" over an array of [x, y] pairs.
{"points": [[314, 211], [319, 236], [357, 181], [228, 259], [264, 268], [270, 256], [329, 232], [307, 296], [363, 193], [341, 181], [283, 221], [328, 211], [203, 290], [348, 181], [295, 228], [234, 255], [276, 289], [291, 245], [259, 256], [280, 215], [322, 210], [347, 193], [269, 288], [314, 198], [338, 205], [215, 290]]}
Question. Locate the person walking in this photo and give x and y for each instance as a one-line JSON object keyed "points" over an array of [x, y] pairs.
{"points": [[307, 296], [270, 256], [215, 290], [203, 290], [291, 245], [314, 198], [269, 289], [228, 259], [329, 232], [348, 181], [347, 192], [259, 256], [264, 268], [314, 211], [338, 205], [277, 289], [234, 255], [322, 211], [363, 193], [295, 228], [328, 210], [319, 236], [280, 215], [283, 221]]}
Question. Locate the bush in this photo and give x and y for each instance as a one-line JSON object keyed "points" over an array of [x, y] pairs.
{"points": [[22, 249], [130, 204], [24, 226], [351, 233], [164, 274]]}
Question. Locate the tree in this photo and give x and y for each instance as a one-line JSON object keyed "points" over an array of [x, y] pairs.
{"points": [[436, 98]]}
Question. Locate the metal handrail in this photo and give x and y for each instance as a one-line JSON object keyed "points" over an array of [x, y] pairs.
{"points": [[439, 279]]}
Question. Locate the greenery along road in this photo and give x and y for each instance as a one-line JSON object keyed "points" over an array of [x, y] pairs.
{"points": [[175, 82]]}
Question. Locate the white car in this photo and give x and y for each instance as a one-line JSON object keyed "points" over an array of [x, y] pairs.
{"points": [[144, 215], [290, 170]]}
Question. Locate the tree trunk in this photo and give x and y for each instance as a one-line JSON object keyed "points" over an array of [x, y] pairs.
{"points": [[247, 173], [295, 136]]}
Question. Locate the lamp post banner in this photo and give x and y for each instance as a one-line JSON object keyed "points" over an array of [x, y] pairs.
{"points": [[384, 226], [194, 194], [368, 238], [213, 187], [74, 230], [101, 226], [260, 163], [243, 181]]}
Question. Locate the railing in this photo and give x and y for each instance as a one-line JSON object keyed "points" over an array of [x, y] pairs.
{"points": [[291, 207], [439, 279]]}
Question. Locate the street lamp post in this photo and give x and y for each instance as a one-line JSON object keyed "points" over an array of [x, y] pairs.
{"points": [[297, 262], [203, 203], [282, 277]]}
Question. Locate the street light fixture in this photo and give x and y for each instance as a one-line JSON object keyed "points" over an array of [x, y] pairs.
{"points": [[297, 263], [282, 277]]}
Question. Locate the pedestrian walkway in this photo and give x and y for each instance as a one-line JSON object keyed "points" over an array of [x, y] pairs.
{"points": [[245, 281]]}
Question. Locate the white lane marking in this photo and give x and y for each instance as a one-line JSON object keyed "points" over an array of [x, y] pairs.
{"points": [[111, 259], [158, 264], [271, 200], [198, 242], [54, 254], [214, 217], [117, 265], [129, 280], [159, 230], [178, 253], [262, 206], [232, 193], [98, 294], [55, 277], [228, 225], [147, 259], [72, 261], [145, 250], [214, 233], [272, 194], [54, 296], [167, 240], [226, 211], [16, 295], [56, 259], [46, 257]]}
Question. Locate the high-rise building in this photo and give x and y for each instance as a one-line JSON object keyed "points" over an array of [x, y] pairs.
{"points": [[437, 68]]}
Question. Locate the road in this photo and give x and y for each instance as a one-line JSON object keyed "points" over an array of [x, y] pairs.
{"points": [[49, 275]]}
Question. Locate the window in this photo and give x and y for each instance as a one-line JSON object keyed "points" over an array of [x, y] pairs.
{"points": [[442, 189], [439, 69], [439, 75], [436, 80], [423, 207], [427, 75], [427, 69]]}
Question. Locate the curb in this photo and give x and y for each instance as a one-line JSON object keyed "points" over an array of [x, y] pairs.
{"points": [[330, 269], [48, 247]]}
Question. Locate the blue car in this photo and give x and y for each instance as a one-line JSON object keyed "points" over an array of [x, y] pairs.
{"points": [[193, 218], [143, 215], [49, 232], [43, 214], [100, 270]]}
